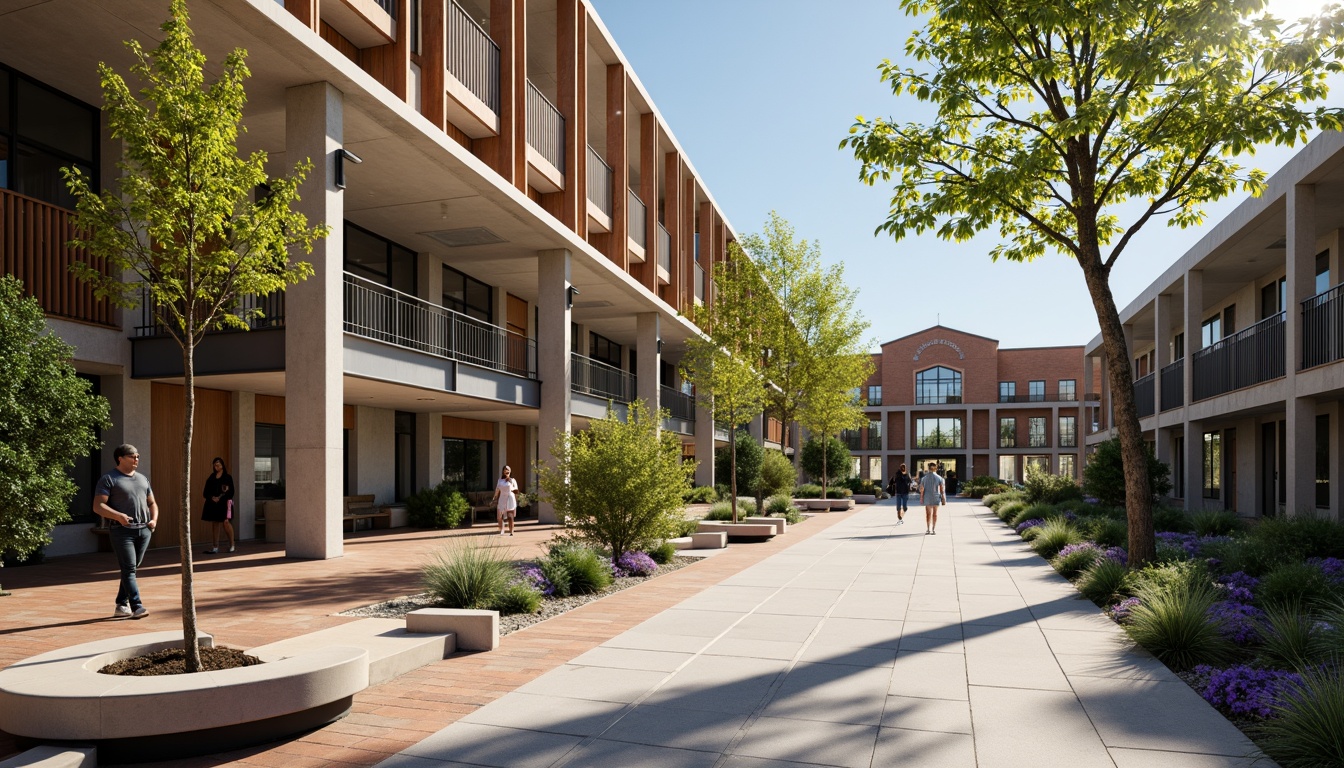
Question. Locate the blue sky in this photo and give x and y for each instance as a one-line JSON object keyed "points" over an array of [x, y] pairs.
{"points": [[760, 92]]}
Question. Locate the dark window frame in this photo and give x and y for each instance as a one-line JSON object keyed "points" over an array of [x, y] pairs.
{"points": [[1007, 391], [1036, 391], [10, 140], [465, 306], [942, 386], [1037, 438], [389, 276]]}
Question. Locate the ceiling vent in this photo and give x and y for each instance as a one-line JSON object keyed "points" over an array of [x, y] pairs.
{"points": [[467, 236], [1277, 245]]}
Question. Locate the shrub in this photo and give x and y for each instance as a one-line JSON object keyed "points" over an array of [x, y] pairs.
{"points": [[777, 473], [1292, 638], [618, 483], [793, 516], [1305, 730], [1104, 475], [779, 505], [468, 575], [1172, 577], [807, 491], [860, 485], [1008, 510], [1171, 520], [750, 455], [1301, 537], [996, 500], [837, 456], [1175, 625], [981, 486], [588, 571], [534, 577], [685, 527], [517, 598], [1054, 536], [700, 494], [1044, 487], [722, 510], [1103, 582], [746, 506], [1246, 554], [1215, 522], [635, 564], [1075, 558], [1291, 583], [556, 573], [1033, 512], [438, 507], [1105, 531], [663, 553]]}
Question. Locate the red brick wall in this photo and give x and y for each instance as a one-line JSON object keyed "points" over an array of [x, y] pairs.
{"points": [[1048, 363]]}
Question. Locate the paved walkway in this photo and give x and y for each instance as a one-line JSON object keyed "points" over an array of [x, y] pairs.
{"points": [[849, 642]]}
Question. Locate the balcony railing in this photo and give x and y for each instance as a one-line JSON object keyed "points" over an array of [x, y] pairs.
{"points": [[1145, 390], [1173, 385], [1323, 328], [471, 56], [388, 5], [664, 249], [272, 313], [377, 312], [592, 377], [545, 128], [681, 406], [1041, 398], [638, 219], [599, 182], [851, 440], [699, 283], [33, 249], [1248, 357]]}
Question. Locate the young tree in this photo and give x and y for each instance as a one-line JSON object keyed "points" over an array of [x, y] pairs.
{"points": [[619, 483], [188, 219], [826, 456], [1052, 114], [829, 410], [50, 419]]}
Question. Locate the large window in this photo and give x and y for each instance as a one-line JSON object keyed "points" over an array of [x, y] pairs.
{"points": [[1213, 464], [875, 395], [1068, 431], [268, 466], [1007, 432], [1007, 391], [937, 385], [938, 433], [1068, 465], [378, 259], [42, 131], [467, 464], [1036, 432], [1322, 271], [1211, 330], [468, 295], [1037, 463], [604, 349], [875, 434], [1068, 389], [1008, 469], [1036, 391]]}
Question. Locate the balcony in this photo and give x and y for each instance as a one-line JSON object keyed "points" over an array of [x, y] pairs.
{"points": [[1323, 328], [33, 249], [271, 315], [1173, 385], [1043, 398], [1246, 358], [678, 404], [592, 377], [1145, 390], [599, 192], [664, 255], [699, 284], [472, 61], [377, 312], [545, 142], [637, 218], [365, 23]]}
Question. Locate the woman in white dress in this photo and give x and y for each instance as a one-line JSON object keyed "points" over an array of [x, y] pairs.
{"points": [[506, 500], [932, 492]]}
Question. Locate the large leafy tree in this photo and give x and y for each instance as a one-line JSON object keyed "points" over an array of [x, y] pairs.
{"points": [[50, 419], [1068, 125], [197, 225]]}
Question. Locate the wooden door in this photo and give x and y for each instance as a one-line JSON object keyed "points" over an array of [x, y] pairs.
{"points": [[210, 438]]}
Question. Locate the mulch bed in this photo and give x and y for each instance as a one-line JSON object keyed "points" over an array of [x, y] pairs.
{"points": [[173, 661]]}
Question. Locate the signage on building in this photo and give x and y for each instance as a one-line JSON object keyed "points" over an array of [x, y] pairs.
{"points": [[944, 342]]}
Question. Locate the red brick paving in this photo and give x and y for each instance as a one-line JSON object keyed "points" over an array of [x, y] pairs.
{"points": [[257, 596]]}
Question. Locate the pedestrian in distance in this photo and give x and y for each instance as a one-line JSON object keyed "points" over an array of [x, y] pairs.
{"points": [[124, 497], [932, 492], [218, 511], [506, 500], [901, 483]]}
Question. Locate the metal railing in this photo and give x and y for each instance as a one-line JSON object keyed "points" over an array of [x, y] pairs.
{"points": [[377, 312], [545, 128], [599, 181], [637, 218], [1173, 385], [699, 283], [851, 440], [1323, 328], [1041, 398], [34, 247], [679, 405], [664, 249], [1145, 392], [388, 5], [471, 56], [272, 314], [592, 377], [1250, 356]]}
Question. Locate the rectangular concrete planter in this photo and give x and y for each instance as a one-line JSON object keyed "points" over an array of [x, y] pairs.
{"points": [[781, 525]]}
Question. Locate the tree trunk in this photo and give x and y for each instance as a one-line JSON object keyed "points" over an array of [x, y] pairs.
{"points": [[1133, 452], [189, 641], [825, 451], [732, 466]]}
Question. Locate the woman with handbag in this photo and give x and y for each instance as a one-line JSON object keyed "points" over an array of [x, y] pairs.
{"points": [[219, 504]]}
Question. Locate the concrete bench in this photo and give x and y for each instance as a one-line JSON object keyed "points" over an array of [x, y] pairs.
{"points": [[864, 498], [738, 530], [705, 540], [781, 525], [54, 757], [475, 630], [393, 649]]}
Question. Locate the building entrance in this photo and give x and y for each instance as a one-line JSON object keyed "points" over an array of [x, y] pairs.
{"points": [[950, 467]]}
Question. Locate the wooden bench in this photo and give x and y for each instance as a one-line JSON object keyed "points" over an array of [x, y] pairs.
{"points": [[362, 508]]}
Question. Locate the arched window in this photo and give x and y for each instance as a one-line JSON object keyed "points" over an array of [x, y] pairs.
{"points": [[937, 385]]}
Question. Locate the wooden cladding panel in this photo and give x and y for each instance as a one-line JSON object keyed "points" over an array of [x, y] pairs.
{"points": [[210, 438], [516, 434], [338, 41], [34, 249], [305, 11], [271, 410], [516, 315], [468, 429]]}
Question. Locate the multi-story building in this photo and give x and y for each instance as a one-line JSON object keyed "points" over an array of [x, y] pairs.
{"points": [[516, 240], [956, 398], [1236, 350]]}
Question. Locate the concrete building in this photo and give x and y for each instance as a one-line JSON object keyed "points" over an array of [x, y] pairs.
{"points": [[1237, 346], [517, 249], [956, 398]]}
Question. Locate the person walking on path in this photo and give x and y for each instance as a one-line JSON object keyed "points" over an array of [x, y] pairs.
{"points": [[124, 497], [218, 510], [900, 488], [932, 492], [506, 500]]}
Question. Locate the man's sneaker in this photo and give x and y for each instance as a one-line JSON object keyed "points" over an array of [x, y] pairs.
{"points": [[140, 613], [121, 612], [900, 522], [211, 551]]}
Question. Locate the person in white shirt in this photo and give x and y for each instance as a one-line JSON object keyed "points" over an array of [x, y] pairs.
{"points": [[932, 493], [506, 500]]}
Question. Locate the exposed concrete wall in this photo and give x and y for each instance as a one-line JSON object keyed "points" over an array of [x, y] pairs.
{"points": [[374, 449]]}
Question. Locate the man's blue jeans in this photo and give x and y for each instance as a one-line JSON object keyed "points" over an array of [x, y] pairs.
{"points": [[129, 545], [902, 504]]}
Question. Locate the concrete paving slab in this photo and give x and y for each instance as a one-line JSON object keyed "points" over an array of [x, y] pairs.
{"points": [[798, 601], [929, 675], [939, 715], [764, 626], [897, 746], [755, 649], [820, 692], [496, 747], [1004, 738], [646, 641], [1133, 665], [728, 597], [677, 727], [1012, 657], [849, 656], [628, 658], [553, 714], [616, 754], [694, 623], [1143, 758], [597, 683], [890, 606], [1158, 715], [867, 633], [837, 744]]}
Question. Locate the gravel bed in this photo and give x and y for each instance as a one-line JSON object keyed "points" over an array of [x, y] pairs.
{"points": [[551, 606]]}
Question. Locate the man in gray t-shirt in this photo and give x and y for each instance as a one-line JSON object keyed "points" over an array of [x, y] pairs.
{"points": [[124, 497]]}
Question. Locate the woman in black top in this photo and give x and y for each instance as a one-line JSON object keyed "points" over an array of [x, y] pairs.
{"points": [[902, 483], [219, 504]]}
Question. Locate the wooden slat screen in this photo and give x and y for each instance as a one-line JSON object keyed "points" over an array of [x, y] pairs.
{"points": [[33, 237]]}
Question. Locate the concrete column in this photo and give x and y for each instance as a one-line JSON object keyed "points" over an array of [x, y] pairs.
{"points": [[530, 456], [1194, 337], [553, 364], [429, 277], [502, 450], [243, 435], [756, 427], [1194, 465], [1301, 480], [704, 443], [375, 450], [1300, 283], [428, 449], [648, 333], [993, 470], [131, 415], [313, 355], [1164, 311]]}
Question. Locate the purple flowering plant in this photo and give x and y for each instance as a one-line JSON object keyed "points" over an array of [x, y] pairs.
{"points": [[533, 577], [1243, 690], [1332, 567], [1069, 549], [1032, 523], [1122, 610], [1118, 554], [1237, 621], [1239, 586], [635, 564]]}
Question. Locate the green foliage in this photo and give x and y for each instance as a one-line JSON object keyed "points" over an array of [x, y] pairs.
{"points": [[1171, 519], [50, 419], [517, 598], [1104, 475], [663, 553], [724, 511], [1295, 583], [588, 571], [779, 505], [794, 516], [1074, 563], [1032, 512], [556, 571], [982, 486], [833, 453], [1050, 489], [1215, 522], [618, 484], [1301, 537], [1104, 531], [746, 506], [1053, 536], [777, 473], [994, 501], [1169, 577], [438, 507], [685, 527], [1009, 510], [1254, 556], [807, 491], [1174, 625], [468, 575], [1305, 731], [749, 458], [1104, 582], [1292, 638], [700, 494]]}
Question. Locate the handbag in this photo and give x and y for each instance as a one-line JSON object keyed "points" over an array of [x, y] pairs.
{"points": [[228, 510]]}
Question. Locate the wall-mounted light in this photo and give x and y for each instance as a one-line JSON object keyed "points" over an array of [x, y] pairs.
{"points": [[342, 155], [570, 293], [660, 346]]}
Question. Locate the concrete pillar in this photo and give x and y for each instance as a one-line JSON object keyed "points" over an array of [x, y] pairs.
{"points": [[1301, 278], [553, 364], [993, 470], [243, 436], [1164, 312], [704, 443], [502, 451], [313, 354], [429, 277], [428, 449], [1194, 465], [375, 449], [648, 335], [1194, 338], [1301, 464], [131, 415], [756, 427]]}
